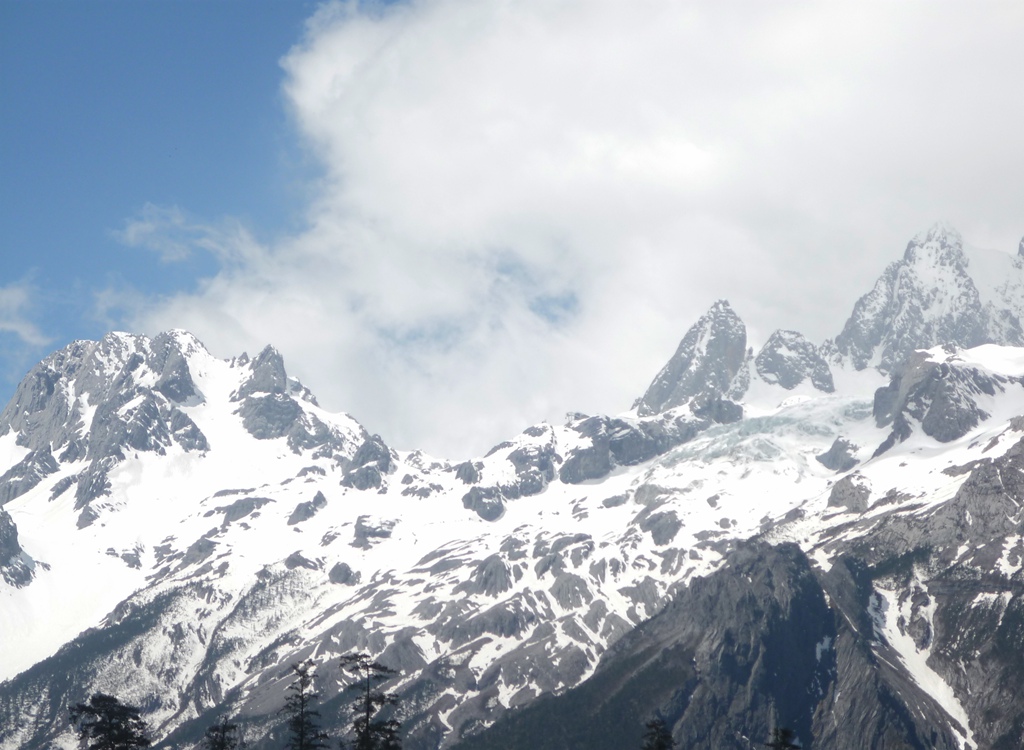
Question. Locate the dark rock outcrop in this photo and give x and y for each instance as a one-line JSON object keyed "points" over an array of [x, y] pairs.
{"points": [[486, 502], [342, 573], [50, 403], [841, 455], [851, 492], [371, 463], [307, 509], [366, 531], [620, 442], [15, 568], [937, 395], [788, 359]]}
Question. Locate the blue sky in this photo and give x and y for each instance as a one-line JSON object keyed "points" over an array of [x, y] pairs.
{"points": [[115, 104], [457, 218]]}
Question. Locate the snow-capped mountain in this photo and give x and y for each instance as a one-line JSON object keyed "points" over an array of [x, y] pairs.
{"points": [[829, 537], [941, 292]]}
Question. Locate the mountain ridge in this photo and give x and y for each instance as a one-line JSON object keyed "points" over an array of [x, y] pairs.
{"points": [[238, 527]]}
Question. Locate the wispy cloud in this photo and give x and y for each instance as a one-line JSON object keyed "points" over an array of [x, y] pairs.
{"points": [[169, 233], [525, 204], [16, 303]]}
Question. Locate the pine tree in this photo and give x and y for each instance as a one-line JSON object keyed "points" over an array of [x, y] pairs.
{"points": [[783, 739], [107, 724], [658, 736], [370, 732], [303, 719], [222, 736]]}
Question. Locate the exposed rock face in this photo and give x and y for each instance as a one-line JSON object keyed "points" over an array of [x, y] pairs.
{"points": [[26, 474], [268, 375], [370, 464], [306, 510], [789, 359], [14, 567], [50, 403], [945, 580], [618, 442], [702, 370], [343, 574], [851, 492], [989, 505], [105, 381], [486, 502], [609, 442], [492, 577], [841, 455], [368, 530], [926, 299], [140, 420], [753, 646], [275, 415], [468, 472], [168, 359], [940, 396], [270, 406]]}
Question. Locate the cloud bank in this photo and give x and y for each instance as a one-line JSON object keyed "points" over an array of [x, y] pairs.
{"points": [[523, 205]]}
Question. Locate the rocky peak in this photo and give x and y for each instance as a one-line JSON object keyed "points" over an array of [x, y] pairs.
{"points": [[940, 244], [928, 298], [788, 359], [169, 352], [707, 360], [95, 400], [268, 375]]}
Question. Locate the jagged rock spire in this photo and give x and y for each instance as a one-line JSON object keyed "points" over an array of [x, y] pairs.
{"points": [[703, 367]]}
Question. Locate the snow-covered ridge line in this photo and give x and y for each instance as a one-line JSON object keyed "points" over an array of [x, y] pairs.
{"points": [[238, 527]]}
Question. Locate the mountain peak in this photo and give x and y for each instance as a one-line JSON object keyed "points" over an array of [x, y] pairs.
{"points": [[939, 244], [704, 365], [721, 307], [940, 231], [934, 295]]}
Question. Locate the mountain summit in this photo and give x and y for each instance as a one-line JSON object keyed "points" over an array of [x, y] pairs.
{"points": [[703, 367], [939, 293]]}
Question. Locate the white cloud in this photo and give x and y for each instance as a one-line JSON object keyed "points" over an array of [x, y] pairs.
{"points": [[16, 301], [525, 204]]}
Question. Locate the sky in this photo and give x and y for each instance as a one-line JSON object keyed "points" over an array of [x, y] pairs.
{"points": [[458, 218]]}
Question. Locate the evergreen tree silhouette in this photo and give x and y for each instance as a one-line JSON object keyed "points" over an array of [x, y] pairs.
{"points": [[658, 736], [107, 724], [222, 736], [303, 720], [370, 732], [783, 739]]}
